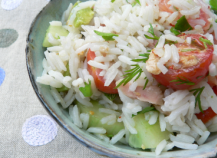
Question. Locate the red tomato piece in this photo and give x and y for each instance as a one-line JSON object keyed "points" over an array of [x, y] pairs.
{"points": [[165, 7], [207, 115], [194, 64], [99, 80]]}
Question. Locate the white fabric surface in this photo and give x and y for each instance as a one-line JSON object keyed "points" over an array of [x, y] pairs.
{"points": [[18, 100]]}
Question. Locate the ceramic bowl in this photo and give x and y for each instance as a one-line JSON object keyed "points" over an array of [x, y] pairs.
{"points": [[34, 56]]}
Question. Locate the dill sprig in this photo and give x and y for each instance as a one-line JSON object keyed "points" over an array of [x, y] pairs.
{"points": [[130, 74], [197, 92], [146, 82], [111, 96], [183, 80], [151, 31], [146, 55]]}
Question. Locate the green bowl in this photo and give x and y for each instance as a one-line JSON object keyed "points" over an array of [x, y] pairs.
{"points": [[34, 57]]}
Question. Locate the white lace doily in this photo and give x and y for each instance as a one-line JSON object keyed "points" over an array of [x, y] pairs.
{"points": [[39, 130], [10, 4]]}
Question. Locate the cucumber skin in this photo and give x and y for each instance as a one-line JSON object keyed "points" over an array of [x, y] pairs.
{"points": [[148, 136], [53, 30], [96, 116]]}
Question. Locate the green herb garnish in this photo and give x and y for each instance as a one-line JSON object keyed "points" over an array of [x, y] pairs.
{"points": [[151, 31], [62, 89], [205, 42], [111, 96], [170, 42], [110, 135], [197, 44], [183, 81], [67, 72], [148, 50], [86, 90], [197, 92], [182, 24], [112, 1], [106, 36], [146, 55], [199, 77], [130, 74], [146, 82], [147, 109], [175, 31], [135, 2], [175, 8], [188, 50]]}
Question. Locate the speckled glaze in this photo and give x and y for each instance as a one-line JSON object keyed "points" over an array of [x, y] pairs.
{"points": [[34, 57]]}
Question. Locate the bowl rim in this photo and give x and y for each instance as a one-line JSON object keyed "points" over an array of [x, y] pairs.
{"points": [[87, 143]]}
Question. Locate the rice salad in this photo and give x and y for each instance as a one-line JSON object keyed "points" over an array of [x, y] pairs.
{"points": [[137, 72]]}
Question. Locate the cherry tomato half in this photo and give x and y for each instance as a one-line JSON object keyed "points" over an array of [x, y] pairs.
{"points": [[99, 80], [194, 65], [207, 115], [165, 7]]}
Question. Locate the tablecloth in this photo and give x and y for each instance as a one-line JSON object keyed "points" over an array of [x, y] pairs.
{"points": [[18, 101]]}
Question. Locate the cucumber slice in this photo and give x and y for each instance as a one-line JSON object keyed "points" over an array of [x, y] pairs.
{"points": [[54, 30], [83, 17], [96, 116], [148, 136]]}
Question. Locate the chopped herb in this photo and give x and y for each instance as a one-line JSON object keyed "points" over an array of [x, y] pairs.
{"points": [[197, 44], [213, 4], [106, 36], [197, 92], [175, 8], [216, 20], [199, 77], [146, 55], [183, 81], [62, 89], [188, 50], [112, 1], [210, 26], [148, 50], [110, 136], [86, 90], [130, 74], [111, 96], [135, 2], [151, 31], [175, 31], [170, 42], [182, 24], [211, 96], [205, 42], [146, 82], [67, 72], [147, 109]]}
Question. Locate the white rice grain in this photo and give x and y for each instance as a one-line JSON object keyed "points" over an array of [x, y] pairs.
{"points": [[98, 130], [118, 136]]}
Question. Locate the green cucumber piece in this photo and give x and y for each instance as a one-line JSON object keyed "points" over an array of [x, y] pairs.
{"points": [[54, 30], [83, 17], [148, 136], [96, 116]]}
